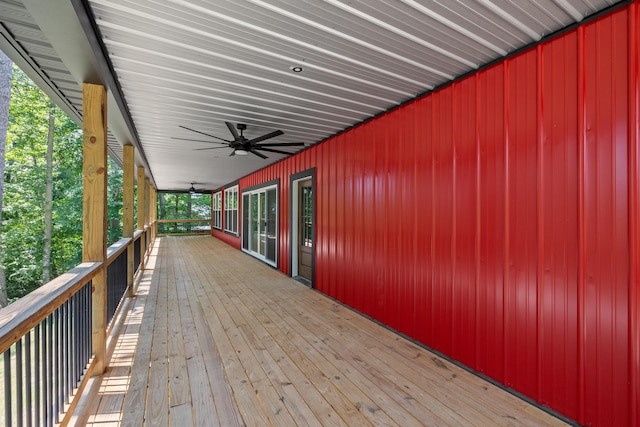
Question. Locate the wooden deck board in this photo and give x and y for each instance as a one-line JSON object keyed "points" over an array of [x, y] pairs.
{"points": [[218, 338]]}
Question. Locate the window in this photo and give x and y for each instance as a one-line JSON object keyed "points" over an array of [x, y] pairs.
{"points": [[217, 210], [231, 210]]}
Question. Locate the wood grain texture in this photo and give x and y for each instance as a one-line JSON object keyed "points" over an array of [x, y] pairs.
{"points": [[128, 181], [141, 198], [94, 208], [226, 340]]}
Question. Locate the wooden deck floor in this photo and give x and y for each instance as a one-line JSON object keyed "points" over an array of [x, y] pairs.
{"points": [[215, 337]]}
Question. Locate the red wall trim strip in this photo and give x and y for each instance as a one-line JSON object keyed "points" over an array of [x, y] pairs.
{"points": [[634, 197]]}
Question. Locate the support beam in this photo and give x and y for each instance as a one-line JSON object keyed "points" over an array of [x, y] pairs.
{"points": [[141, 197], [128, 169], [94, 208], [141, 207], [146, 201], [153, 211], [147, 212]]}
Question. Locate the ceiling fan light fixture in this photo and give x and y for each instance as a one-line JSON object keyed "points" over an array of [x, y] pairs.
{"points": [[192, 190], [241, 152]]}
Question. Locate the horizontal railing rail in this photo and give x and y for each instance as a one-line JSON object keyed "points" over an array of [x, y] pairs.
{"points": [[181, 227]]}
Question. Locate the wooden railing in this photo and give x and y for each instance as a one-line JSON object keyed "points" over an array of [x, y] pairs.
{"points": [[46, 352], [182, 227]]}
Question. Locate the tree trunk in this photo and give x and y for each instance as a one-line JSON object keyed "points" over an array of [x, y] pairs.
{"points": [[48, 200], [175, 215], [6, 68], [163, 210], [189, 213]]}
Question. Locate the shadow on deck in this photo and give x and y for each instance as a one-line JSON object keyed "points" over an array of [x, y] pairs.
{"points": [[215, 337]]}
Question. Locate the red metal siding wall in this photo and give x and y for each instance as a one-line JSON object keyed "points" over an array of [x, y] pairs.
{"points": [[496, 220]]}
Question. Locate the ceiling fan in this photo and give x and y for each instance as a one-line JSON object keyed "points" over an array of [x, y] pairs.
{"points": [[243, 146], [194, 190]]}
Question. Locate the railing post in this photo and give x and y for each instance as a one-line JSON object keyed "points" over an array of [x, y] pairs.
{"points": [[127, 211], [147, 213], [94, 209], [154, 213], [141, 215]]}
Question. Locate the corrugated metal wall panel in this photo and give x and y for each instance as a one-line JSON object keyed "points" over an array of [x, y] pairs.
{"points": [[465, 232], [490, 325], [496, 220], [521, 245], [606, 219], [558, 223]]}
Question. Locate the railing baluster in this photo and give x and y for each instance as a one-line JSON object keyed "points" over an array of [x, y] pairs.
{"points": [[50, 354], [7, 388], [45, 372], [38, 385], [88, 324], [27, 362], [77, 330], [19, 398], [69, 351], [58, 365]]}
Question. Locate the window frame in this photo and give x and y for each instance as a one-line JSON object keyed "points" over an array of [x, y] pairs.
{"points": [[231, 204], [217, 210]]}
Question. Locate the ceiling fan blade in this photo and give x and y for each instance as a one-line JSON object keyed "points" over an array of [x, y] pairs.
{"points": [[233, 153], [267, 136], [258, 154], [233, 130], [202, 133], [282, 144], [271, 150], [208, 148], [199, 140]]}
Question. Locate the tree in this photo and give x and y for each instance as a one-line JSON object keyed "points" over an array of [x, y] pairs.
{"points": [[6, 69], [114, 206], [48, 202]]}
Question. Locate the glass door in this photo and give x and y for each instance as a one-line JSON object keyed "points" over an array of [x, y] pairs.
{"points": [[260, 231], [271, 222]]}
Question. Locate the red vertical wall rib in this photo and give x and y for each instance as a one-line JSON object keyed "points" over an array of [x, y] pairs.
{"points": [[634, 211], [496, 220]]}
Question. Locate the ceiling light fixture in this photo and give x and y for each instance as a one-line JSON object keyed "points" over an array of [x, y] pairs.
{"points": [[296, 69], [241, 152]]}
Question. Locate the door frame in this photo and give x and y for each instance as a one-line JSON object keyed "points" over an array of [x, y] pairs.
{"points": [[294, 180], [257, 189]]}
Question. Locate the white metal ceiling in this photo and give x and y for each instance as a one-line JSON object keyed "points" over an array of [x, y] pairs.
{"points": [[199, 63]]}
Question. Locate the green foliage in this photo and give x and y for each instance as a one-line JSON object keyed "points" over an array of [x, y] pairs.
{"points": [[24, 196], [114, 207], [25, 178], [184, 206]]}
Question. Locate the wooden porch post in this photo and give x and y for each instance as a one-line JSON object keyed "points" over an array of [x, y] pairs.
{"points": [[153, 213], [141, 206], [127, 211], [94, 209], [147, 199]]}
